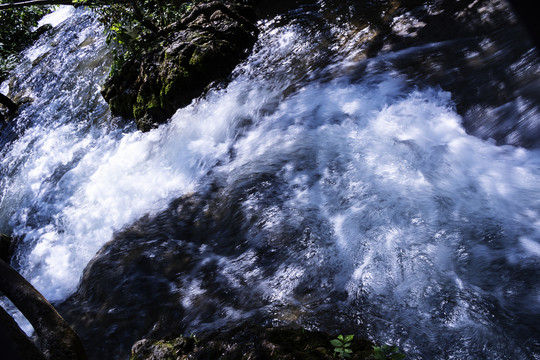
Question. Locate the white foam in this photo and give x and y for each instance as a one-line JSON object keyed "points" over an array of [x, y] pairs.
{"points": [[404, 188], [114, 182], [406, 194], [58, 16], [530, 245]]}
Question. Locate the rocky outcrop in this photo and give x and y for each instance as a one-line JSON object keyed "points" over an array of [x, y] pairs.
{"points": [[250, 342], [8, 103], [201, 48]]}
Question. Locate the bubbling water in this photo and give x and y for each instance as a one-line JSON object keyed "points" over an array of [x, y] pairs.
{"points": [[366, 204], [430, 228]]}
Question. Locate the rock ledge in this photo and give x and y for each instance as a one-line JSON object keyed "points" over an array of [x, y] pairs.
{"points": [[200, 49]]}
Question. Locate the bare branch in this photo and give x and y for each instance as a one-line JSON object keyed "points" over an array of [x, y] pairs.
{"points": [[36, 2]]}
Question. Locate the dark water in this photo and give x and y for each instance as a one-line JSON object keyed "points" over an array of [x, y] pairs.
{"points": [[370, 169]]}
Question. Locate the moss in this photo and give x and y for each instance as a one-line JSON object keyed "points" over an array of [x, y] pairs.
{"points": [[165, 349], [196, 60], [138, 110], [176, 79], [146, 101], [153, 102], [153, 84], [252, 342]]}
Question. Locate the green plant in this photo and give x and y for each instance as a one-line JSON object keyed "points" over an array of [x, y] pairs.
{"points": [[387, 352], [18, 30], [342, 346], [196, 341], [132, 27]]}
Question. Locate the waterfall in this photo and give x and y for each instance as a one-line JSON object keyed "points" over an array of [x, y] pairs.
{"points": [[365, 204]]}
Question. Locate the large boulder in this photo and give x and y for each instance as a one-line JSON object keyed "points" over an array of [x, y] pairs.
{"points": [[202, 48]]}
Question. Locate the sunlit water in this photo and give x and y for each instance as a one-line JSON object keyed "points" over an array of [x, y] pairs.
{"points": [[373, 205]]}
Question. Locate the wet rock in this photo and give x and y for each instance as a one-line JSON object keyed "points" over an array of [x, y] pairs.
{"points": [[131, 289], [202, 48], [249, 342], [162, 349], [168, 273]]}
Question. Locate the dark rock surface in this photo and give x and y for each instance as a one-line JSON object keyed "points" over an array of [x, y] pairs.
{"points": [[249, 342], [140, 284], [133, 295]]}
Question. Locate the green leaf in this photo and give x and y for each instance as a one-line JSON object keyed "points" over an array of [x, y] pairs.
{"points": [[336, 343], [398, 356], [349, 338], [348, 351], [340, 337]]}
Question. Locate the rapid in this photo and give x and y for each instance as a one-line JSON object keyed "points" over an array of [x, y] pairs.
{"points": [[348, 193]]}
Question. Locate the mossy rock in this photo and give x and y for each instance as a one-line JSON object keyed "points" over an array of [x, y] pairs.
{"points": [[249, 342], [209, 42], [167, 349]]}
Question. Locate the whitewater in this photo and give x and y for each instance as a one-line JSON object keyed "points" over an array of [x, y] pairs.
{"points": [[377, 209]]}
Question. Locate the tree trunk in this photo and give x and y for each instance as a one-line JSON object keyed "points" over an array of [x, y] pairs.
{"points": [[35, 2], [4, 100], [5, 247], [14, 343], [58, 340]]}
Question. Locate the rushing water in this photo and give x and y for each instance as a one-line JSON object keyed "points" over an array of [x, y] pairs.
{"points": [[359, 202]]}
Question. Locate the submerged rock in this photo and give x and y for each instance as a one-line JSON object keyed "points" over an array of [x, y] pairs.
{"points": [[169, 274], [202, 48]]}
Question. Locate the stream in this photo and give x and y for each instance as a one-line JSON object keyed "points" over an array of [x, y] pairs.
{"points": [[395, 196]]}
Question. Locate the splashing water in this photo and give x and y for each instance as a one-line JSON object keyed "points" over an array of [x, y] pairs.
{"points": [[365, 192]]}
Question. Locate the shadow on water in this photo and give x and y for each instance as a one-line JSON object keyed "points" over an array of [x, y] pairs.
{"points": [[479, 51]]}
